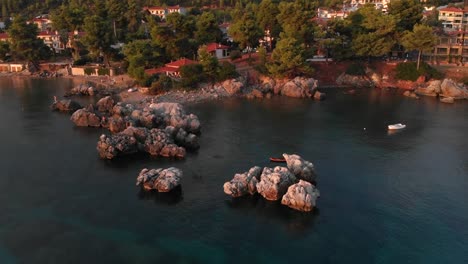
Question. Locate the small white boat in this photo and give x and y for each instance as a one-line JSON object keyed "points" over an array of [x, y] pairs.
{"points": [[396, 126]]}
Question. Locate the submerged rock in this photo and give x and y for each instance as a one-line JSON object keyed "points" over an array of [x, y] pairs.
{"points": [[447, 100], [301, 196], [410, 94], [163, 180], [301, 168], [243, 183], [275, 182]]}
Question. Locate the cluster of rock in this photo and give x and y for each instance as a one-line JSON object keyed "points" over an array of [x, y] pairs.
{"points": [[357, 80], [298, 87], [294, 185], [82, 90], [448, 90], [160, 129], [65, 105], [162, 180]]}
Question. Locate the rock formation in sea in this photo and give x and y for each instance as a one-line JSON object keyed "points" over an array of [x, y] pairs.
{"points": [[65, 105], [82, 90], [86, 118], [355, 80], [243, 183], [274, 182], [301, 196], [293, 185], [301, 168], [156, 142], [445, 88], [162, 180]]}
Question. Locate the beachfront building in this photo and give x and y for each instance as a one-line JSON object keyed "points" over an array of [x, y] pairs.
{"points": [[454, 18], [324, 13], [452, 47], [171, 69]]}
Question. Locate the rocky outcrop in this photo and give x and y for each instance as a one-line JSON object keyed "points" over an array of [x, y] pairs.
{"points": [[84, 117], [233, 86], [82, 90], [116, 145], [433, 89], [155, 142], [105, 104], [301, 168], [354, 80], [446, 88], [243, 183], [274, 182], [449, 88], [65, 106], [173, 114], [162, 180], [298, 87], [301, 196], [279, 183]]}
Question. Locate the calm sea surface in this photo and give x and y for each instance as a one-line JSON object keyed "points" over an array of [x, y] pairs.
{"points": [[386, 198]]}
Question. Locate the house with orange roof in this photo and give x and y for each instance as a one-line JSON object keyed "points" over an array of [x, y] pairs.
{"points": [[52, 40], [171, 69], [218, 50]]}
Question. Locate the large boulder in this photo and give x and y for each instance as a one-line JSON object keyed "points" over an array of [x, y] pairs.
{"points": [[105, 104], [433, 89], [116, 124], [121, 109], [274, 182], [65, 106], [163, 180], [187, 140], [299, 87], [449, 88], [243, 183], [84, 117], [233, 86], [301, 168], [301, 196], [116, 145]]}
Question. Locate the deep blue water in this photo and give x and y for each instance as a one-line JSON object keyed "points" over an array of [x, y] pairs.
{"points": [[385, 198]]}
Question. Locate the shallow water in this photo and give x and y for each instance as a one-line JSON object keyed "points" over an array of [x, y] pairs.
{"points": [[385, 198]]}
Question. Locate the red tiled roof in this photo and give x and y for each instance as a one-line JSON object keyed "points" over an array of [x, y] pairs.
{"points": [[46, 33], [215, 46], [153, 8], [451, 9], [173, 7], [159, 70], [179, 63], [4, 36]]}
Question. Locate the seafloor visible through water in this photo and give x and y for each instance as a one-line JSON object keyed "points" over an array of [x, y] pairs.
{"points": [[385, 198]]}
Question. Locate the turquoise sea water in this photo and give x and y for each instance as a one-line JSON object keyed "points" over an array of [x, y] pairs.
{"points": [[385, 198]]}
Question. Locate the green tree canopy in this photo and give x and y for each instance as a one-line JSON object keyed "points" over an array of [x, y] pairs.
{"points": [[287, 59], [24, 43], [421, 39], [406, 12]]}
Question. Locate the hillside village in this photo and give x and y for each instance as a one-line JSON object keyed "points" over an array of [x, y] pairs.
{"points": [[158, 45]]}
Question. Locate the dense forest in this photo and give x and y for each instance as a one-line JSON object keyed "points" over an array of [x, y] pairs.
{"points": [[287, 28]]}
